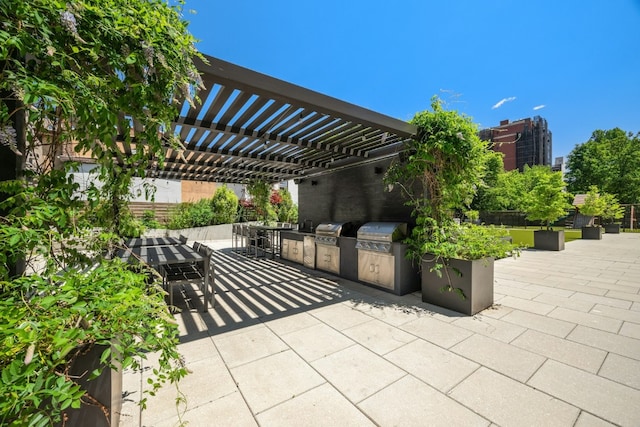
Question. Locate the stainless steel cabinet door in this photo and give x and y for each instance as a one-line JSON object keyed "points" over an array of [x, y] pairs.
{"points": [[328, 258], [376, 268]]}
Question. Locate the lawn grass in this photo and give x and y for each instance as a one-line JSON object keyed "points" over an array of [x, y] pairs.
{"points": [[524, 236]]}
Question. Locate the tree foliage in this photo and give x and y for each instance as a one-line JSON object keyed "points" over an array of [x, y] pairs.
{"points": [[545, 197], [224, 205], [260, 192], [283, 204], [487, 198], [612, 209], [610, 159], [594, 205], [444, 164], [83, 71]]}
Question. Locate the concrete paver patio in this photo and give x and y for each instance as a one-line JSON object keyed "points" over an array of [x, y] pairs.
{"points": [[287, 346]]}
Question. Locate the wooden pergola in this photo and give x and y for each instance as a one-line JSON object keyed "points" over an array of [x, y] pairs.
{"points": [[250, 126]]}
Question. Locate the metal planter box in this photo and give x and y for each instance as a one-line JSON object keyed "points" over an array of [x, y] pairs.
{"points": [[592, 233], [474, 278], [612, 228], [548, 240], [106, 389]]}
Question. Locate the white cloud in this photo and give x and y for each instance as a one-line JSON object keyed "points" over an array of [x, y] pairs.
{"points": [[502, 101], [539, 107]]}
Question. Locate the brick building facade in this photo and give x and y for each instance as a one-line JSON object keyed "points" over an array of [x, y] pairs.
{"points": [[523, 142]]}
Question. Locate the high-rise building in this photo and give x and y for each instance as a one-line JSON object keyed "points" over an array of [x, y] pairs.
{"points": [[559, 165], [523, 142]]}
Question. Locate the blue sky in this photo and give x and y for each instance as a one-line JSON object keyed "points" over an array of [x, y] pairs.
{"points": [[575, 63]]}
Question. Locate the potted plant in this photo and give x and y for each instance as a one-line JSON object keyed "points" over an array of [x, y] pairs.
{"points": [[612, 212], [593, 206], [546, 200], [457, 268], [439, 172]]}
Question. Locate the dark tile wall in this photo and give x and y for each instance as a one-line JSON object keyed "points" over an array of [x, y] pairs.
{"points": [[356, 194]]}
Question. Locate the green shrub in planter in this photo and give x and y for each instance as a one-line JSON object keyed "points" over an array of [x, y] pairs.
{"points": [[545, 200], [459, 260], [49, 322], [188, 215], [80, 73]]}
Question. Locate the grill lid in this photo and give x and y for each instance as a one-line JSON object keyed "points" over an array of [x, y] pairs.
{"points": [[382, 231], [331, 229]]}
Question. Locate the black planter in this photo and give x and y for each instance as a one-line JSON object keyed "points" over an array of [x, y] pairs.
{"points": [[474, 278], [106, 389], [592, 233], [548, 240], [612, 228]]}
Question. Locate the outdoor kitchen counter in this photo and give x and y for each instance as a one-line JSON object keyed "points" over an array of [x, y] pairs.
{"points": [[292, 247], [295, 234], [406, 277]]}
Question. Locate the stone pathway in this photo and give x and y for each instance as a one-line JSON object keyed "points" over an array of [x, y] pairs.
{"points": [[287, 346]]}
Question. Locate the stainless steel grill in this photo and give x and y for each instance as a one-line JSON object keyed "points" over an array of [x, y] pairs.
{"points": [[377, 253], [327, 249], [327, 233], [378, 236]]}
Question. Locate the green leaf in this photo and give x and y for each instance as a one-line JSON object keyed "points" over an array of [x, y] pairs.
{"points": [[13, 241]]}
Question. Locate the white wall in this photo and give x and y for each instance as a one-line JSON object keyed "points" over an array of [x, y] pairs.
{"points": [[167, 191]]}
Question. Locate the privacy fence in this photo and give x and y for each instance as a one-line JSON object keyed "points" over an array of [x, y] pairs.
{"points": [[572, 219]]}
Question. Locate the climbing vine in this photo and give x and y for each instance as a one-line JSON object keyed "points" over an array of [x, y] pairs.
{"points": [[84, 78]]}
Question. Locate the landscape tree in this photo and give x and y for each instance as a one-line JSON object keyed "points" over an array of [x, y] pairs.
{"points": [[594, 204], [510, 190], [610, 159], [486, 198], [224, 205], [80, 73], [612, 209], [260, 192], [286, 210], [545, 198]]}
